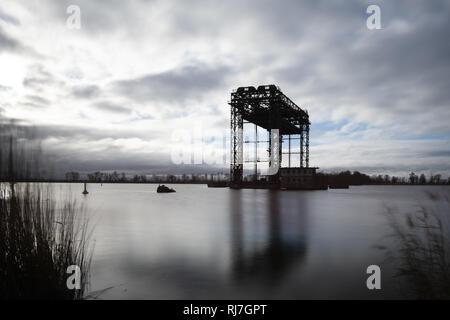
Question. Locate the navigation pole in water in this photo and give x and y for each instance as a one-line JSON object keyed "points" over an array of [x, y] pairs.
{"points": [[85, 190]]}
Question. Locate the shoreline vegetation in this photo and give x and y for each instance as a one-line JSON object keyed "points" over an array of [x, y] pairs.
{"points": [[422, 248], [45, 248], [39, 241]]}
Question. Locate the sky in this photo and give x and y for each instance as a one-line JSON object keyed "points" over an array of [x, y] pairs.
{"points": [[142, 81]]}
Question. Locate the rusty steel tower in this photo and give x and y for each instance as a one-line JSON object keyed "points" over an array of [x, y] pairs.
{"points": [[267, 107]]}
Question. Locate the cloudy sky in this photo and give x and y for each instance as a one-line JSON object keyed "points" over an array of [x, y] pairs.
{"points": [[140, 77]]}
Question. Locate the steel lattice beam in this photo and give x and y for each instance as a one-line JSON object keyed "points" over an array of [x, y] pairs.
{"points": [[269, 108]]}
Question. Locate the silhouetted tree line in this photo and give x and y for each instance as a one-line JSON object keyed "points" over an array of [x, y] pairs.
{"points": [[354, 178], [345, 178], [107, 177], [116, 177], [357, 178], [433, 179]]}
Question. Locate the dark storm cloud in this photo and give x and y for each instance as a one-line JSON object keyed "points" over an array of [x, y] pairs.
{"points": [[114, 159], [75, 156], [177, 85], [400, 72], [78, 133], [391, 64]]}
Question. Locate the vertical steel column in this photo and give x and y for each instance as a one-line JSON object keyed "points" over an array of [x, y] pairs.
{"points": [[281, 149], [307, 145], [237, 126], [301, 145], [256, 153], [269, 150], [289, 152]]}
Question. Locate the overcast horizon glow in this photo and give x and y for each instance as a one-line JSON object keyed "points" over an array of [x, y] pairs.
{"points": [[110, 95]]}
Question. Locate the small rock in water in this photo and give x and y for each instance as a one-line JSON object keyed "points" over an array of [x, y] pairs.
{"points": [[164, 189]]}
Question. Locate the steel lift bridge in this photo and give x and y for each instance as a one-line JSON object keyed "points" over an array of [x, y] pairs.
{"points": [[267, 107]]}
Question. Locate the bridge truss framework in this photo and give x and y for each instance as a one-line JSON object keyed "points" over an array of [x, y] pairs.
{"points": [[266, 107]]}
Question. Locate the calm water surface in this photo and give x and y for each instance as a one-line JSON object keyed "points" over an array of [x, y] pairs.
{"points": [[208, 243]]}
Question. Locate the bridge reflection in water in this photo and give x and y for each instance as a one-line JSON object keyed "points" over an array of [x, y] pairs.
{"points": [[208, 243], [200, 243], [268, 241]]}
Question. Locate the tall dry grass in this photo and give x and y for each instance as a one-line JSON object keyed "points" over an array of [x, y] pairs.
{"points": [[422, 252], [38, 242]]}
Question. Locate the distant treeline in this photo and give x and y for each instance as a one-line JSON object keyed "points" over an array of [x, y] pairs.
{"points": [[356, 178], [341, 178], [116, 177]]}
